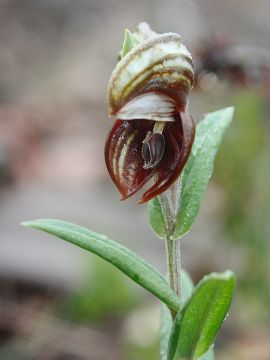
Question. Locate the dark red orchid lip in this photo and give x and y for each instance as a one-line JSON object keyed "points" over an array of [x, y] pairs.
{"points": [[126, 163]]}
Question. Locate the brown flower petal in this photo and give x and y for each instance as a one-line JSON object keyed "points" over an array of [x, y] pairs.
{"points": [[126, 163], [123, 155]]}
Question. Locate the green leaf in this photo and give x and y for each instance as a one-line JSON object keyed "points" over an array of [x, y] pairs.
{"points": [[166, 318], [196, 174], [124, 259], [199, 167], [130, 41], [197, 325], [165, 330], [209, 355], [156, 218]]}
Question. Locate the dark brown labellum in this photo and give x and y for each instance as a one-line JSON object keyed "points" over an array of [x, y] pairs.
{"points": [[153, 149]]}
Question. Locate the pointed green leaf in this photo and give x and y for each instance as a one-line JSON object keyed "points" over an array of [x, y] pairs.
{"points": [[196, 174], [165, 330], [130, 41], [209, 355], [124, 259], [199, 167], [166, 318], [197, 325], [156, 218]]}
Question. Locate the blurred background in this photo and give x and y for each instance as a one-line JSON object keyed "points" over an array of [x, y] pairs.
{"points": [[56, 301]]}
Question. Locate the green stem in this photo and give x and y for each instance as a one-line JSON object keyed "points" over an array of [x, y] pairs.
{"points": [[174, 265], [170, 203]]}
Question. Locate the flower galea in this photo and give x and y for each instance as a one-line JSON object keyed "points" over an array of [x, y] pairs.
{"points": [[153, 132]]}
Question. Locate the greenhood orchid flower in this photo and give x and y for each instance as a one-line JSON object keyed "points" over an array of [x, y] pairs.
{"points": [[153, 132]]}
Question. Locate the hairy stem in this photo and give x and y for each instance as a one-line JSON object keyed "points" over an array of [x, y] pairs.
{"points": [[174, 264], [170, 201]]}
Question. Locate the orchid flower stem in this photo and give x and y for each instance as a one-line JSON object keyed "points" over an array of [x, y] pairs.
{"points": [[174, 265], [170, 202]]}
